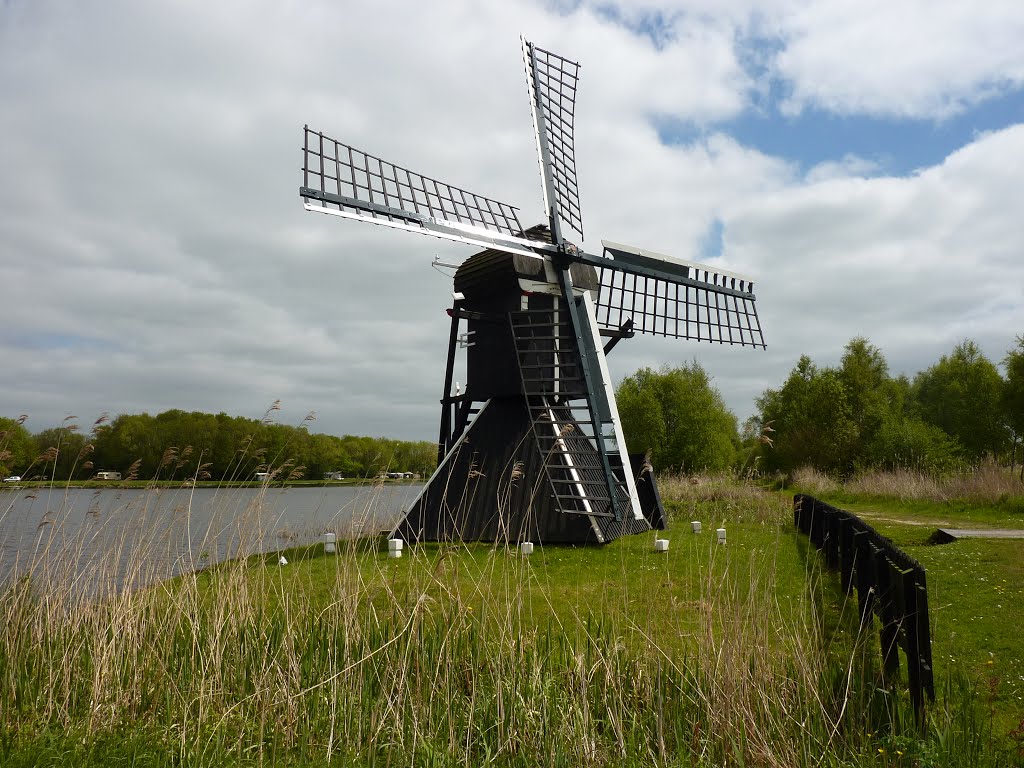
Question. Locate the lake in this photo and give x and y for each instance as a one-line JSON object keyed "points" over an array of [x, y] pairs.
{"points": [[90, 539]]}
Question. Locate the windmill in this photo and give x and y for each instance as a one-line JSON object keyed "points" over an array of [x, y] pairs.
{"points": [[532, 448]]}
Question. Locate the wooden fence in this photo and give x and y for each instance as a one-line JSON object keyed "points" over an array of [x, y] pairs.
{"points": [[889, 583]]}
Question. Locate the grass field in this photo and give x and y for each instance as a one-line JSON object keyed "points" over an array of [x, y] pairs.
{"points": [[743, 654]]}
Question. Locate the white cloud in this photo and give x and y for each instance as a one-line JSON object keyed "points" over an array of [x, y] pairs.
{"points": [[849, 166], [915, 59], [911, 59]]}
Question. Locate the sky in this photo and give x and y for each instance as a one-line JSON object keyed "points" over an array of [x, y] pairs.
{"points": [[860, 161]]}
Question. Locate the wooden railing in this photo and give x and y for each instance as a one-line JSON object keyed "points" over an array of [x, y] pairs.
{"points": [[889, 583]]}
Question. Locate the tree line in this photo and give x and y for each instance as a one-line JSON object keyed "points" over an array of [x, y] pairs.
{"points": [[841, 420], [182, 444]]}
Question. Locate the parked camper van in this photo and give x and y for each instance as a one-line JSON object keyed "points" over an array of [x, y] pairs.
{"points": [[107, 475]]}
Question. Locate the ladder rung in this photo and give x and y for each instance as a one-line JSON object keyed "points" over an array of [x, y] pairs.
{"points": [[582, 497], [600, 483], [584, 512], [563, 422], [594, 513], [531, 366], [527, 322]]}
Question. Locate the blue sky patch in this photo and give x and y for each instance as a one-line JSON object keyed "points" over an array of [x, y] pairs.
{"points": [[713, 242], [894, 146]]}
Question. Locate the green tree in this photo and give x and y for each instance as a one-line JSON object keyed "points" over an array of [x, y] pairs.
{"points": [[813, 421], [1013, 394], [887, 435], [178, 444], [963, 395], [63, 448], [679, 417], [906, 442], [17, 449], [643, 423], [864, 373], [129, 438]]}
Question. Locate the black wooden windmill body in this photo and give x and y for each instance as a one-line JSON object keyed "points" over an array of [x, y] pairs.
{"points": [[532, 449]]}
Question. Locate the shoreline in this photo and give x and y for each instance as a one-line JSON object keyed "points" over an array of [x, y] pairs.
{"points": [[201, 484]]}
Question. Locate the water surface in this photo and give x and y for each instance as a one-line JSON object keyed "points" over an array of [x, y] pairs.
{"points": [[134, 536]]}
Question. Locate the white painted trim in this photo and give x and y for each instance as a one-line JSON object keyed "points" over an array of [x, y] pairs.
{"points": [[673, 260], [573, 472], [536, 123], [627, 470], [481, 241]]}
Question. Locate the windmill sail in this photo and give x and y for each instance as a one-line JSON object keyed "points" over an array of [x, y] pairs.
{"points": [[552, 81], [669, 297], [344, 181]]}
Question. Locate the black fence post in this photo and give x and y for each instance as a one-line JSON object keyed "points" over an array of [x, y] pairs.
{"points": [[865, 574], [924, 635], [886, 606], [831, 535], [846, 552], [913, 647], [817, 534]]}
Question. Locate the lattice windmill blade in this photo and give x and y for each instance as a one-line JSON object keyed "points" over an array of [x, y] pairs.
{"points": [[344, 181], [552, 82], [670, 297]]}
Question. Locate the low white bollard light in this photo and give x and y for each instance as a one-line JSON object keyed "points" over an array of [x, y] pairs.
{"points": [[695, 525], [330, 540], [394, 553], [526, 547], [395, 547], [661, 545], [721, 535]]}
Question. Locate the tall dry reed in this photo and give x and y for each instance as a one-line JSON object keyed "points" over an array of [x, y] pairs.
{"points": [[988, 482]]}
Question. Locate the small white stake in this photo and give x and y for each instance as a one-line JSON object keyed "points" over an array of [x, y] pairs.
{"points": [[329, 543], [721, 535], [661, 545], [526, 548], [695, 525]]}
